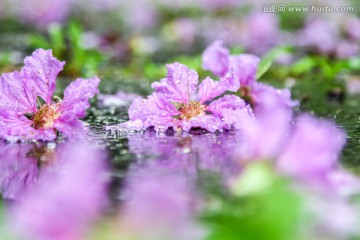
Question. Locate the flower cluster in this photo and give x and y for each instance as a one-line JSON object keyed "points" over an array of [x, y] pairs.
{"points": [[27, 108], [178, 102]]}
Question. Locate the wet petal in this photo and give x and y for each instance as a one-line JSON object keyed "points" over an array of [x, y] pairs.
{"points": [[152, 106], [209, 89], [179, 85], [77, 95], [41, 68], [209, 122], [14, 127], [151, 112], [16, 94], [69, 125], [216, 59], [231, 109], [245, 67]]}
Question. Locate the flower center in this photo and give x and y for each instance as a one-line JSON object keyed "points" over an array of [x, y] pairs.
{"points": [[192, 109], [45, 116]]}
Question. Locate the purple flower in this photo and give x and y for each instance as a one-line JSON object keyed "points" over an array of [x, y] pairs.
{"points": [[260, 32], [264, 137], [352, 27], [179, 103], [347, 49], [24, 117], [318, 35], [69, 195], [217, 59], [242, 67], [313, 149], [45, 13]]}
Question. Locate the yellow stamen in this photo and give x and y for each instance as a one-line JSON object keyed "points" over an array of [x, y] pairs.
{"points": [[192, 109], [46, 116]]}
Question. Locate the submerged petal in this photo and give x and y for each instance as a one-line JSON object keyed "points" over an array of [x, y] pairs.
{"points": [[69, 125], [179, 85], [40, 71], [77, 95]]}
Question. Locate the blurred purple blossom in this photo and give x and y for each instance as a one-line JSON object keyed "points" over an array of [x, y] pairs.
{"points": [[353, 85], [319, 35], [117, 100], [313, 149], [260, 32], [352, 27], [264, 137], [347, 49], [158, 209], [45, 13], [179, 103], [64, 202], [24, 117]]}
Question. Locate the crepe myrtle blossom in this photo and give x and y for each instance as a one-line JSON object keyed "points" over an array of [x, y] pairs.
{"points": [[217, 59], [179, 103], [27, 108]]}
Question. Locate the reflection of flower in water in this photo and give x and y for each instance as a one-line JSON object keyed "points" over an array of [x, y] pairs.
{"points": [[69, 190], [160, 195], [19, 171]]}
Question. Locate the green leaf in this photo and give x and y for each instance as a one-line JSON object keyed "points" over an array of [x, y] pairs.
{"points": [[269, 58], [303, 65], [38, 41], [57, 39]]}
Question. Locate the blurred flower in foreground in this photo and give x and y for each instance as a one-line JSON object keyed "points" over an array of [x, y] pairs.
{"points": [[68, 197], [27, 110], [313, 149], [158, 209], [218, 60], [179, 103]]}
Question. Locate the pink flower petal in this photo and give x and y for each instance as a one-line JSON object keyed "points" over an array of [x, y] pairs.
{"points": [[179, 85], [41, 69], [16, 94], [231, 109], [77, 95], [216, 59]]}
